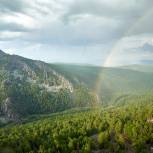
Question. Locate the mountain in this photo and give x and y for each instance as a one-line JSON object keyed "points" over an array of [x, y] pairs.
{"points": [[30, 87], [34, 87], [140, 68], [112, 80], [2, 53], [35, 72]]}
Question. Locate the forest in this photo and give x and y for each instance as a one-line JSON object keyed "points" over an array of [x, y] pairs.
{"points": [[124, 127]]}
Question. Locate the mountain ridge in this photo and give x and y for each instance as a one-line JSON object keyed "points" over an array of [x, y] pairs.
{"points": [[139, 67], [34, 87], [17, 74]]}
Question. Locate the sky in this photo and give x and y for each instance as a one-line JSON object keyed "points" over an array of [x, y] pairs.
{"points": [[98, 32]]}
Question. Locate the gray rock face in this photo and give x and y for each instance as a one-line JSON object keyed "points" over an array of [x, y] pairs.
{"points": [[36, 72], [7, 110]]}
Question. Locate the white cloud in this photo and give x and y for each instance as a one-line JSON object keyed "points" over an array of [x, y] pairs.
{"points": [[20, 19], [127, 51], [7, 35]]}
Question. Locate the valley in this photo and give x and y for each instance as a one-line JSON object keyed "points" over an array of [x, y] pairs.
{"points": [[49, 108]]}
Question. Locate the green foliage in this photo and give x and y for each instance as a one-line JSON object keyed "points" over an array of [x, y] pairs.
{"points": [[118, 129], [28, 99], [83, 97], [112, 82], [103, 138]]}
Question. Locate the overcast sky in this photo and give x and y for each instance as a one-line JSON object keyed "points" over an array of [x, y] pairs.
{"points": [[101, 32]]}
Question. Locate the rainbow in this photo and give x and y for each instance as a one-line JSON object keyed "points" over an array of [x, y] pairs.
{"points": [[114, 50]]}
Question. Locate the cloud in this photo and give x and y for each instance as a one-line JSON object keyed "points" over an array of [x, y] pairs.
{"points": [[119, 9], [146, 62], [8, 36], [82, 31], [77, 24], [12, 27], [145, 48], [130, 50], [133, 15], [14, 6]]}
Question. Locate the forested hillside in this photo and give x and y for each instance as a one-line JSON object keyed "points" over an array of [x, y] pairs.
{"points": [[126, 128], [33, 87], [119, 79], [112, 82]]}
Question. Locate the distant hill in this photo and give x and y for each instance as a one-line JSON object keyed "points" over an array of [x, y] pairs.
{"points": [[141, 68], [112, 79]]}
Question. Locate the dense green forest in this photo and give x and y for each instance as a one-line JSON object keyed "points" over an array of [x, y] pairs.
{"points": [[26, 99], [126, 127]]}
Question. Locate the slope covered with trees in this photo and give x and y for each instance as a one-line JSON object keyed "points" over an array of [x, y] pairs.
{"points": [[112, 82], [124, 128]]}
